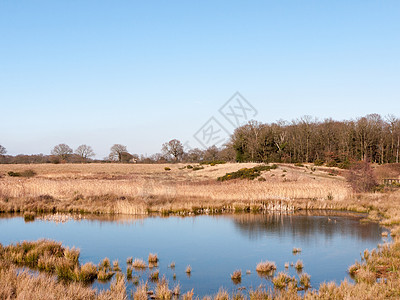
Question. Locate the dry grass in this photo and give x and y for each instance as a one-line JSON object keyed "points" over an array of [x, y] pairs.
{"points": [[139, 264], [162, 290], [265, 267], [296, 250], [299, 265], [141, 292], [236, 277], [153, 258], [188, 269], [15, 284], [135, 189]]}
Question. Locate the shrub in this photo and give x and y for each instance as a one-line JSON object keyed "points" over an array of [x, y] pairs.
{"points": [[361, 177], [344, 165], [27, 173], [245, 173], [331, 164], [167, 169], [196, 168], [318, 162], [213, 162], [299, 165], [14, 174]]}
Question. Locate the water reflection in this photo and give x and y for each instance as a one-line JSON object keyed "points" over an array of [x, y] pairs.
{"points": [[302, 226]]}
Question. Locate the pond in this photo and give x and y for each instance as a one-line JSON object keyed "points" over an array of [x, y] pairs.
{"points": [[214, 246]]}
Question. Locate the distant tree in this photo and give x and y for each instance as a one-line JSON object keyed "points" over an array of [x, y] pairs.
{"points": [[211, 153], [62, 151], [3, 150], [195, 155], [173, 148], [126, 157], [85, 152], [116, 152]]}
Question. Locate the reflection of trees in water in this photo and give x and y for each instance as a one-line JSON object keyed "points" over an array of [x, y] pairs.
{"points": [[306, 225]]}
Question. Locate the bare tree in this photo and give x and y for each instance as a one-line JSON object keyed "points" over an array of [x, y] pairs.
{"points": [[62, 151], [173, 148], [116, 152], [361, 177], [85, 152], [3, 150]]}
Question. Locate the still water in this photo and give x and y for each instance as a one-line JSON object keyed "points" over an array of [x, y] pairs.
{"points": [[214, 246]]}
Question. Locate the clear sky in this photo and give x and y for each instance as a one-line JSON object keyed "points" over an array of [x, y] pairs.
{"points": [[140, 73]]}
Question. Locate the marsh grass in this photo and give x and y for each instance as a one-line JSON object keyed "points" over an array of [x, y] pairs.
{"points": [[299, 265], [188, 295], [172, 265], [139, 264], [129, 260], [129, 273], [105, 272], [188, 269], [177, 290], [305, 280], [116, 267], [153, 258], [154, 275], [265, 267], [162, 290], [236, 277], [282, 280], [296, 251], [141, 291], [17, 284]]}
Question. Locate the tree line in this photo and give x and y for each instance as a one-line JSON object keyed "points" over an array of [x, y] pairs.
{"points": [[306, 139], [371, 138]]}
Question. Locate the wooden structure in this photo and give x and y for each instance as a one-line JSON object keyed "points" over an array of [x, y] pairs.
{"points": [[390, 181]]}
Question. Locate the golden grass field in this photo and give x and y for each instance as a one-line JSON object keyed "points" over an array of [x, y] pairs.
{"points": [[134, 189]]}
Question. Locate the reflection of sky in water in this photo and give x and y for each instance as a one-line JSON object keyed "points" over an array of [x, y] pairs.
{"points": [[213, 246]]}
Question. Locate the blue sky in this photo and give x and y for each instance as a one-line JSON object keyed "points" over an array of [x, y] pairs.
{"points": [[140, 73]]}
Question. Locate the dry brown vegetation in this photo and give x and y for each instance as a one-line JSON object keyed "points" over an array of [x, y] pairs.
{"points": [[130, 189], [137, 189]]}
